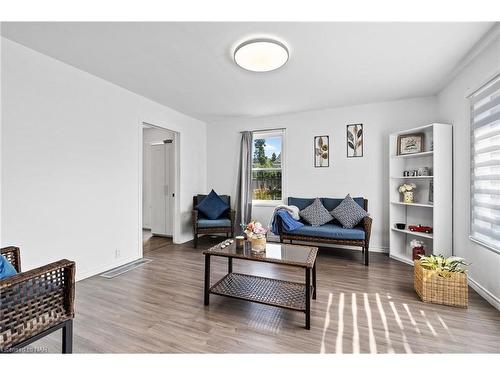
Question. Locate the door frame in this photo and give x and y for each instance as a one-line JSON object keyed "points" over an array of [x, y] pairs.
{"points": [[176, 176]]}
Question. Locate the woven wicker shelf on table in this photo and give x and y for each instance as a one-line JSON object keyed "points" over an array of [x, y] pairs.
{"points": [[280, 293]]}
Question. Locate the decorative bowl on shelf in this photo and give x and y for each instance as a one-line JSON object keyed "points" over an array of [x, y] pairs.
{"points": [[400, 226]]}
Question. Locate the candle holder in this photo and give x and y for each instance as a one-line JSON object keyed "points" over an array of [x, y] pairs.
{"points": [[240, 242]]}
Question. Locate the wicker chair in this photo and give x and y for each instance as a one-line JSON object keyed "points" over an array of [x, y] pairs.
{"points": [[201, 225], [36, 303]]}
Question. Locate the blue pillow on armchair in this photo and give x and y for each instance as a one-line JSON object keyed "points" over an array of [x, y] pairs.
{"points": [[212, 206], [6, 269]]}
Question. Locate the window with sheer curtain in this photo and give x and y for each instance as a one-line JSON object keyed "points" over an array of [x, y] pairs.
{"points": [[485, 165]]}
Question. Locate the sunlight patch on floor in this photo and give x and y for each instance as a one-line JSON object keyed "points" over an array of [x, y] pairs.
{"points": [[327, 322], [390, 328], [384, 323], [413, 322], [340, 328], [429, 325], [371, 336], [401, 327], [355, 331], [445, 326]]}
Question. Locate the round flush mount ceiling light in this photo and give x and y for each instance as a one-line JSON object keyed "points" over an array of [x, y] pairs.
{"points": [[261, 55]]}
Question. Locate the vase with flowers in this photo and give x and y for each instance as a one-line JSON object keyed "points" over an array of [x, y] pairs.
{"points": [[408, 192], [417, 249], [256, 233]]}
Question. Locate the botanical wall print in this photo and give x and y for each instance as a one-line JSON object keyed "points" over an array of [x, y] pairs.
{"points": [[354, 140], [410, 143], [321, 151]]}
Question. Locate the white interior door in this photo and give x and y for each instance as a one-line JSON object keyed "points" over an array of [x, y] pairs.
{"points": [[162, 189]]}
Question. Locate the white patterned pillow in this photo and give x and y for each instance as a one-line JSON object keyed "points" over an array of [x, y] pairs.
{"points": [[348, 212], [316, 214]]}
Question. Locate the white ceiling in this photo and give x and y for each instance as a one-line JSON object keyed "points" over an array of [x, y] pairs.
{"points": [[189, 67]]}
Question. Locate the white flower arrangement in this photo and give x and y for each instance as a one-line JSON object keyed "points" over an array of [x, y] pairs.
{"points": [[416, 243], [254, 229], [407, 187]]}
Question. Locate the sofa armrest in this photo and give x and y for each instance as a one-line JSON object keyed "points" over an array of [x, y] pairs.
{"points": [[367, 227], [34, 301], [45, 276], [13, 255]]}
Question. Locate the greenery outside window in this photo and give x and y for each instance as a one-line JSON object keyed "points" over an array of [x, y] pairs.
{"points": [[267, 167]]}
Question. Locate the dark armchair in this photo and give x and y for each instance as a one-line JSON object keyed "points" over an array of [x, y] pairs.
{"points": [[36, 303], [203, 225]]}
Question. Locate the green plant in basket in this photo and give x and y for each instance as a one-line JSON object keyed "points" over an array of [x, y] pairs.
{"points": [[444, 266]]}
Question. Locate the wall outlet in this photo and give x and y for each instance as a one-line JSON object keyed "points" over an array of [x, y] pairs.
{"points": [[117, 253]]}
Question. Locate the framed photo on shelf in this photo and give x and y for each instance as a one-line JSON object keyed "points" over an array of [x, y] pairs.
{"points": [[410, 143], [321, 151], [355, 141]]}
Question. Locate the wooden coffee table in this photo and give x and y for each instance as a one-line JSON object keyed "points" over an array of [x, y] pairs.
{"points": [[274, 292]]}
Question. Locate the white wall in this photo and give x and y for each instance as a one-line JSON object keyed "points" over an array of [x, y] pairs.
{"points": [[71, 157], [1, 127], [150, 135], [453, 107], [366, 176]]}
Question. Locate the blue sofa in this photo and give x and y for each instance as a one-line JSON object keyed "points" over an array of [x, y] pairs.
{"points": [[332, 232]]}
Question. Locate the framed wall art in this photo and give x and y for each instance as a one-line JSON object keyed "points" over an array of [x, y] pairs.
{"points": [[355, 140], [410, 143], [321, 151]]}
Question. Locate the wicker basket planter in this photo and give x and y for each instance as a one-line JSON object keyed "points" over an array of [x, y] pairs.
{"points": [[431, 287]]}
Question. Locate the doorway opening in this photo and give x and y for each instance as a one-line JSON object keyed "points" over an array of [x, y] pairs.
{"points": [[159, 187]]}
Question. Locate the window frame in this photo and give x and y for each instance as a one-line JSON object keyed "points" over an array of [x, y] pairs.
{"points": [[472, 144], [268, 133]]}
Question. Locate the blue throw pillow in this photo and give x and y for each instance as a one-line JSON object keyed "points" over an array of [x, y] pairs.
{"points": [[6, 269], [212, 206]]}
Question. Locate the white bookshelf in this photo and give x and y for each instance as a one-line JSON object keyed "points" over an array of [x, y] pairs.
{"points": [[414, 177], [415, 155], [438, 214], [414, 204], [418, 234]]}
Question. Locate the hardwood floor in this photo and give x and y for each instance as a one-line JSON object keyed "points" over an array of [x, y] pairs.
{"points": [[151, 243], [159, 308]]}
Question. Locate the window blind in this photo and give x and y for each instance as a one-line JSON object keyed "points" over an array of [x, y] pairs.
{"points": [[485, 165]]}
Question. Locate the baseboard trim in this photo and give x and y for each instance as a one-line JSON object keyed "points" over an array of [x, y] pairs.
{"points": [[400, 259], [85, 274], [483, 292], [378, 249]]}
